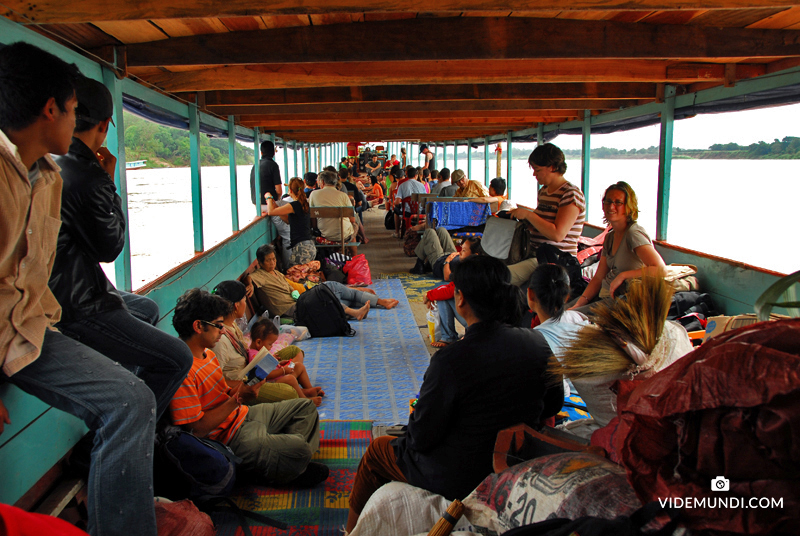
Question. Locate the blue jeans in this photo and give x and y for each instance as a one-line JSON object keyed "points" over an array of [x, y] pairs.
{"points": [[351, 297], [127, 336], [121, 410], [447, 317]]}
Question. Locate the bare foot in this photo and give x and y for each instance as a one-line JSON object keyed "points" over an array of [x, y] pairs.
{"points": [[316, 400], [361, 314], [320, 392], [311, 392], [439, 344], [387, 303]]}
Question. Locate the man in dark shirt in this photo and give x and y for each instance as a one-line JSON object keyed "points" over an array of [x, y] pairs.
{"points": [[269, 175]]}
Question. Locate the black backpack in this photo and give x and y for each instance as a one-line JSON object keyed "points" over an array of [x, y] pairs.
{"points": [[319, 310], [549, 254]]}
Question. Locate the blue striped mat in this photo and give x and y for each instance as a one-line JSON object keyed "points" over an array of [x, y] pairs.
{"points": [[373, 375]]}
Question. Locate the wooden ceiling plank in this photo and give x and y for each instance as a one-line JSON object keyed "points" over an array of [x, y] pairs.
{"points": [[85, 35], [132, 31], [734, 18], [265, 114], [243, 24], [409, 74], [176, 28], [673, 17], [220, 107], [48, 11], [285, 21], [469, 39], [779, 21]]}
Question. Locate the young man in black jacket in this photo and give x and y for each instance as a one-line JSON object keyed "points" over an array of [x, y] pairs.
{"points": [[117, 324], [269, 176]]}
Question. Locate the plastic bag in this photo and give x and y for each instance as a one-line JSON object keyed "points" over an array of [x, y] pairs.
{"points": [[300, 333], [434, 323], [357, 270]]}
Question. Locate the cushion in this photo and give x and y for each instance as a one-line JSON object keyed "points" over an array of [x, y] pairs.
{"points": [[567, 485]]}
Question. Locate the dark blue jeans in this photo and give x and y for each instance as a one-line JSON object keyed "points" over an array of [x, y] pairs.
{"points": [[128, 337], [121, 410]]}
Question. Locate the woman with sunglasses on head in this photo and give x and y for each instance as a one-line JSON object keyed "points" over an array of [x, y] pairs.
{"points": [[626, 249]]}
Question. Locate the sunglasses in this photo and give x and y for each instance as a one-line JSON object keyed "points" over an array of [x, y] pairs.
{"points": [[213, 324]]}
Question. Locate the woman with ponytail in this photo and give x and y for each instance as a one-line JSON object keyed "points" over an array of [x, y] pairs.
{"points": [[548, 291], [495, 377], [296, 214]]}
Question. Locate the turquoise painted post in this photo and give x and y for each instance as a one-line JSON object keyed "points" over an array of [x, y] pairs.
{"points": [[318, 154], [486, 161], [303, 166], [444, 155], [294, 150], [665, 162], [469, 158], [586, 154], [540, 134], [508, 162], [197, 190], [232, 167], [257, 171], [286, 175], [116, 145], [455, 154]]}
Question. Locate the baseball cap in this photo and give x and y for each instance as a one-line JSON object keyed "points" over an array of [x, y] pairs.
{"points": [[94, 101]]}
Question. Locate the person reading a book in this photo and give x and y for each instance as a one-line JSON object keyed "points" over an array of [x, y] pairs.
{"points": [[287, 365], [275, 441], [233, 352]]}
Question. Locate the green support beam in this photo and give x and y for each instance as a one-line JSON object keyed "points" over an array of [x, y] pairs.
{"points": [[303, 164], [586, 148], [469, 158], [232, 167], [256, 168], [508, 162], [294, 150], [665, 163], [197, 190], [286, 175], [455, 154], [540, 134], [486, 162], [116, 145], [444, 155]]}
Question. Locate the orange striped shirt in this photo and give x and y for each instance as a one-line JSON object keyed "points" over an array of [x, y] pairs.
{"points": [[204, 388]]}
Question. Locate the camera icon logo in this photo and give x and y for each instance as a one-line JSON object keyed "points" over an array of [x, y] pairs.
{"points": [[720, 484]]}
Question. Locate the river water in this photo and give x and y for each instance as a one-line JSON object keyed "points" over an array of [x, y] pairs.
{"points": [[737, 209]]}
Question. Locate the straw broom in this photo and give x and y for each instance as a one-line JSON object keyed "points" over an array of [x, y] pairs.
{"points": [[445, 525], [638, 319]]}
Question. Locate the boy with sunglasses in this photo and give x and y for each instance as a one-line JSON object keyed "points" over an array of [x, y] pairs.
{"points": [[275, 440]]}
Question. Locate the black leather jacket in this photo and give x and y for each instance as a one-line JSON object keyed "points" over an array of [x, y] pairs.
{"points": [[92, 231]]}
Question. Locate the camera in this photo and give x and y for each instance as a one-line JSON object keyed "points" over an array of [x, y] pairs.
{"points": [[720, 484]]}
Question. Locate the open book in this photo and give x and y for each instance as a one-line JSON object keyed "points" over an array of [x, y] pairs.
{"points": [[269, 363]]}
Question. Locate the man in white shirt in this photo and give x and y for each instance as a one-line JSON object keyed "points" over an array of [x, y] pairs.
{"points": [[330, 196]]}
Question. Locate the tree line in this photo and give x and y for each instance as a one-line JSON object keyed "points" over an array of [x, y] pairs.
{"points": [[164, 146]]}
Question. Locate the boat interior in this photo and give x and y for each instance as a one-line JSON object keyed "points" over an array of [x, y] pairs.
{"points": [[318, 74]]}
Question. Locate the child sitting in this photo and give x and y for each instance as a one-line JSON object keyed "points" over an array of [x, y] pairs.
{"points": [[290, 370]]}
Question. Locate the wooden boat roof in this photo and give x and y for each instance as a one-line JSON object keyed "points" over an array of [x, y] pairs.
{"points": [[344, 70]]}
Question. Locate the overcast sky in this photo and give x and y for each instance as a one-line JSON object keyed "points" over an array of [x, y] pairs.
{"points": [[702, 131]]}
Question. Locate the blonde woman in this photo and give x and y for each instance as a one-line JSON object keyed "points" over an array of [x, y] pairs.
{"points": [[626, 250]]}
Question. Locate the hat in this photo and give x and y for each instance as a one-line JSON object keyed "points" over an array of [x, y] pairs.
{"points": [[231, 290], [94, 101], [422, 147], [457, 176]]}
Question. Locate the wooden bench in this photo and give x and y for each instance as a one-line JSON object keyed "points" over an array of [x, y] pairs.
{"points": [[336, 212]]}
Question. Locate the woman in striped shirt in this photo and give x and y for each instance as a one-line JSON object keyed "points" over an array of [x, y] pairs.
{"points": [[561, 209]]}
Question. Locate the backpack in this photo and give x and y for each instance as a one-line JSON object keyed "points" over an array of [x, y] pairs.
{"points": [[506, 240], [195, 467], [320, 311], [388, 221]]}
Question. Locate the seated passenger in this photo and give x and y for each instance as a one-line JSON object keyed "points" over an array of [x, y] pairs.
{"points": [[375, 193], [275, 291], [290, 370], [467, 188], [444, 296], [294, 225], [231, 349], [626, 249], [330, 196], [275, 441], [497, 190], [444, 188], [406, 186], [436, 252], [310, 179], [449, 446]]}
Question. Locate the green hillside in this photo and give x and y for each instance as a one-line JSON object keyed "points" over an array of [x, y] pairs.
{"points": [[169, 147]]}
